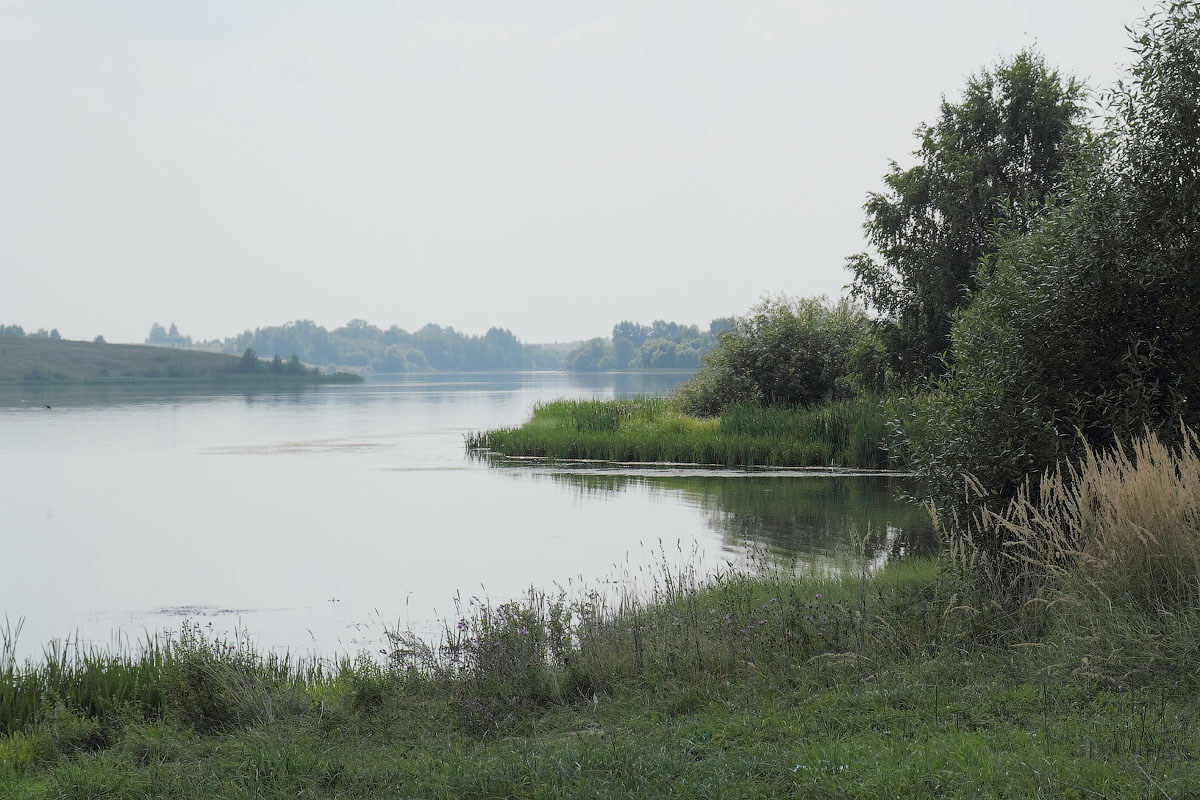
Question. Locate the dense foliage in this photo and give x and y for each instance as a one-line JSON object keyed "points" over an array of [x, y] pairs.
{"points": [[1089, 324], [999, 149], [783, 352], [661, 345]]}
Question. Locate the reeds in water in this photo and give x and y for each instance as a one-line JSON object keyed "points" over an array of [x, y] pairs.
{"points": [[652, 429]]}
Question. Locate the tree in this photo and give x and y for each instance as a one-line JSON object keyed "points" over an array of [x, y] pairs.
{"points": [[158, 334], [627, 338], [277, 365], [249, 362], [592, 356], [99, 340], [54, 334], [997, 152], [1088, 324], [721, 325]]}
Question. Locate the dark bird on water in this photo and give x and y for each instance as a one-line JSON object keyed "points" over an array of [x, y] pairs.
{"points": [[47, 406]]}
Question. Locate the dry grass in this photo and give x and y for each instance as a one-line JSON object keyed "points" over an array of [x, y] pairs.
{"points": [[1106, 552]]}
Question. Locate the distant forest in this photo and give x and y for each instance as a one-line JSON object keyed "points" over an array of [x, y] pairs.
{"points": [[362, 346], [662, 345]]}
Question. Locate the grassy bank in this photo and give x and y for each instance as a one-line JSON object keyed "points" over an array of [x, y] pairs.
{"points": [[741, 687], [846, 434], [39, 361]]}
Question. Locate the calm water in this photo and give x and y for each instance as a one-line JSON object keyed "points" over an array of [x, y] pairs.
{"points": [[313, 518]]}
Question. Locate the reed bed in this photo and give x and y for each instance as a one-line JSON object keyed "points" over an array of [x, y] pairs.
{"points": [[848, 434]]}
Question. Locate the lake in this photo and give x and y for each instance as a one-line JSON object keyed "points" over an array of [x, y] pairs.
{"points": [[312, 518]]}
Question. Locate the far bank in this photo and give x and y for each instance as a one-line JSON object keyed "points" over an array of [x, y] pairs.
{"points": [[41, 361]]}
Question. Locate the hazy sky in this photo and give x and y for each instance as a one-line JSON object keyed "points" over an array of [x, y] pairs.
{"points": [[550, 167]]}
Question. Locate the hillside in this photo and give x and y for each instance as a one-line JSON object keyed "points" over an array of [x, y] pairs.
{"points": [[49, 360]]}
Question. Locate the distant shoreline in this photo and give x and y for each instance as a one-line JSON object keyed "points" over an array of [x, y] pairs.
{"points": [[42, 362]]}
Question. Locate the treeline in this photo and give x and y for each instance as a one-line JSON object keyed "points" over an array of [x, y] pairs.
{"points": [[17, 332], [660, 345], [361, 345]]}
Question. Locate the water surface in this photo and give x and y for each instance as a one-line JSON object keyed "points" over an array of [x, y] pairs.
{"points": [[310, 518]]}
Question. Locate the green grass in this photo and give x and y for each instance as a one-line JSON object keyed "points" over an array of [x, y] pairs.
{"points": [[825, 686], [653, 429], [39, 361]]}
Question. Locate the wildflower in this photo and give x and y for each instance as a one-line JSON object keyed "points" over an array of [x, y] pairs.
{"points": [[818, 597]]}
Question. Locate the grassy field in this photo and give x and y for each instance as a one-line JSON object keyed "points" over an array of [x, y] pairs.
{"points": [[847, 434], [29, 360]]}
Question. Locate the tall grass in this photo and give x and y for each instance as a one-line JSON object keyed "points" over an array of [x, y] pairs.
{"points": [[90, 680], [205, 682], [500, 664], [1103, 553], [653, 429]]}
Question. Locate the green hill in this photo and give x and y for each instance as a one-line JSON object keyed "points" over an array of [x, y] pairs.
{"points": [[49, 360]]}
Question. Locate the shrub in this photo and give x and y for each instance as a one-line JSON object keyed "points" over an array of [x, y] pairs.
{"points": [[784, 352]]}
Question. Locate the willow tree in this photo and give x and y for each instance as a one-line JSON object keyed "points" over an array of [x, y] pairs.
{"points": [[996, 153]]}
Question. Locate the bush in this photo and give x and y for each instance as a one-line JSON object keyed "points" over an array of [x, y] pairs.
{"points": [[784, 352]]}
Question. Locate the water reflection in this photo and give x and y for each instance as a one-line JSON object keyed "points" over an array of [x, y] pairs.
{"points": [[815, 518]]}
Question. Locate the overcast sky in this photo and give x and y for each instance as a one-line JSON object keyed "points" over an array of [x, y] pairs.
{"points": [[549, 167]]}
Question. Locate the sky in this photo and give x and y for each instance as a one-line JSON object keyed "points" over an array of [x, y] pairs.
{"points": [[547, 167]]}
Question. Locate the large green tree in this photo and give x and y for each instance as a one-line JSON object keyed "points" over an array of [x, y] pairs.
{"points": [[1090, 323], [995, 153]]}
